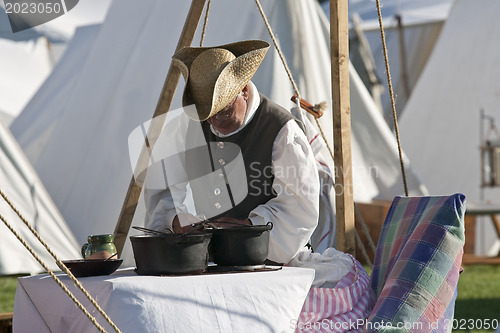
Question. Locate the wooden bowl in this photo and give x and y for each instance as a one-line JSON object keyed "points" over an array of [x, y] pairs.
{"points": [[92, 267]]}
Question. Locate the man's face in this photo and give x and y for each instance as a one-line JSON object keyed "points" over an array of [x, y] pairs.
{"points": [[232, 116]]}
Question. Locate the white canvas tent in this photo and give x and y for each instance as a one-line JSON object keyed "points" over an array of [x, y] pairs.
{"points": [[440, 128], [27, 57], [75, 129], [409, 43], [24, 66], [24, 189], [26, 60], [62, 28]]}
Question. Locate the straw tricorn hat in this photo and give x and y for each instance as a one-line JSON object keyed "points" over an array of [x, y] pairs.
{"points": [[216, 75]]}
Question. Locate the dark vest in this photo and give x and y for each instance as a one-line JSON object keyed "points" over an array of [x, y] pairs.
{"points": [[233, 175]]}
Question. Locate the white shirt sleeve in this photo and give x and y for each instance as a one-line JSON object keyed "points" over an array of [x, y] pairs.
{"points": [[294, 211], [164, 201], [161, 209]]}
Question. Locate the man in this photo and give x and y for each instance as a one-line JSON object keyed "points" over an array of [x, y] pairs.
{"points": [[247, 137]]}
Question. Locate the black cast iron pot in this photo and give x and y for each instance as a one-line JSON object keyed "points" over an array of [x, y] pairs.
{"points": [[171, 254], [240, 245]]}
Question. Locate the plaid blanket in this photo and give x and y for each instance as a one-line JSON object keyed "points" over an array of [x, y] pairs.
{"points": [[417, 264]]}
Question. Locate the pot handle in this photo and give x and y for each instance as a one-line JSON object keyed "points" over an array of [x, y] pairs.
{"points": [[270, 224], [209, 222]]}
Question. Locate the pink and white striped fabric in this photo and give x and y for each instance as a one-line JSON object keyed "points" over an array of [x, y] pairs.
{"points": [[340, 309]]}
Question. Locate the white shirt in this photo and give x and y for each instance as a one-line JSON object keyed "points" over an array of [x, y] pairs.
{"points": [[293, 212]]}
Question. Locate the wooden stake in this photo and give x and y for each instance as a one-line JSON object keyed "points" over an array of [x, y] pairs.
{"points": [[344, 203], [134, 191]]}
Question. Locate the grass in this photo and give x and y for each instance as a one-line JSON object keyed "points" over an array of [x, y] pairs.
{"points": [[478, 297], [7, 293]]}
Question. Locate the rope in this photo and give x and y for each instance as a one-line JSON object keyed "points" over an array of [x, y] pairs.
{"points": [[393, 103], [289, 73], [58, 281], [205, 23], [365, 229], [363, 250], [282, 57], [296, 89], [60, 264], [330, 150]]}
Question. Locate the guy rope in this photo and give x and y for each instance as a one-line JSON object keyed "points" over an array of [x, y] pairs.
{"points": [[60, 264], [316, 112], [393, 103], [341, 116]]}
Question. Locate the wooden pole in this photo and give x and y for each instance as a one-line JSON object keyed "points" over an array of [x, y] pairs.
{"points": [[402, 55], [344, 203], [365, 53], [134, 191]]}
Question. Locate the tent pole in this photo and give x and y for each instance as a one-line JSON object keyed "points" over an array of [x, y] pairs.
{"points": [[164, 102], [402, 55], [344, 203]]}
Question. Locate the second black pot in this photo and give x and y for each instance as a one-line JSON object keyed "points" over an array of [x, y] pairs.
{"points": [[240, 245]]}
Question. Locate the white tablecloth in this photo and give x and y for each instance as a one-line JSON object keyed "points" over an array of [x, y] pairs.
{"points": [[238, 302]]}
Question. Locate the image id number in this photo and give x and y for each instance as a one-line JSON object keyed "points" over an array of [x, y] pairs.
{"points": [[471, 324], [33, 8]]}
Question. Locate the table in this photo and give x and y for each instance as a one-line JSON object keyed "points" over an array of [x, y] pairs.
{"points": [[6, 322], [267, 301]]}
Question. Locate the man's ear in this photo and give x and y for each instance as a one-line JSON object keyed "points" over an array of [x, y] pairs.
{"points": [[244, 92]]}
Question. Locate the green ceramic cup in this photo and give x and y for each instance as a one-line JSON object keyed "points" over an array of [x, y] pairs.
{"points": [[99, 247]]}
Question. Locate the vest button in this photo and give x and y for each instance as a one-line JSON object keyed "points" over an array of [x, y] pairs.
{"points": [[217, 191], [218, 205], [220, 144], [222, 162]]}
